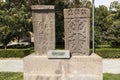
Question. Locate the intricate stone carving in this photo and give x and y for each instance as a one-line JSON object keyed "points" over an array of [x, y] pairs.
{"points": [[43, 18], [77, 23]]}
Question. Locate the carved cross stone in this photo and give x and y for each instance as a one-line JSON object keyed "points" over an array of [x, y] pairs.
{"points": [[77, 30], [43, 18]]}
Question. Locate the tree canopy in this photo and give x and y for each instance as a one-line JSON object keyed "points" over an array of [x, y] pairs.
{"points": [[15, 20]]}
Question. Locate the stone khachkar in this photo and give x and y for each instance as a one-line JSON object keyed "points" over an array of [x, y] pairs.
{"points": [[77, 30], [43, 18], [84, 67]]}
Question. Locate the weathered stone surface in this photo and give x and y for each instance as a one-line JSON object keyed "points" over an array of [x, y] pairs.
{"points": [[84, 65], [77, 30], [60, 54], [41, 77], [77, 13], [75, 68], [43, 18], [34, 64], [42, 7], [83, 77]]}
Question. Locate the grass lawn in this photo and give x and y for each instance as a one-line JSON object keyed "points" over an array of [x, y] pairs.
{"points": [[19, 76], [11, 76], [111, 76]]}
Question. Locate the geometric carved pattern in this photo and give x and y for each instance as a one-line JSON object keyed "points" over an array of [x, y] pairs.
{"points": [[43, 19], [77, 33]]}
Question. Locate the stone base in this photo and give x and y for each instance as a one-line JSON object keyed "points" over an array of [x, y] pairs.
{"points": [[76, 68]]}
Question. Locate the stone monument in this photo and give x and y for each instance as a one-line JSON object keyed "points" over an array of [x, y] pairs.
{"points": [[43, 18], [80, 66], [77, 30]]}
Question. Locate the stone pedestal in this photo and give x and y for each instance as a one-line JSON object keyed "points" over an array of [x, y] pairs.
{"points": [[76, 68]]}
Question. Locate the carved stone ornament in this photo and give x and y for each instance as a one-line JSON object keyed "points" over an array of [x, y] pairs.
{"points": [[43, 19], [77, 30]]}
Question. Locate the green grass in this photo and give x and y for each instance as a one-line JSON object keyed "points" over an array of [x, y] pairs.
{"points": [[107, 76], [19, 76], [11, 76]]}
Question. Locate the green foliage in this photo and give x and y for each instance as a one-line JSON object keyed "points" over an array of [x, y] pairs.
{"points": [[115, 32], [108, 76], [13, 53], [108, 52], [16, 16], [5, 35], [15, 22], [114, 5], [103, 22], [104, 46], [11, 76]]}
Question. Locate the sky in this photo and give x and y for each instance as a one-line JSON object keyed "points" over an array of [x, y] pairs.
{"points": [[103, 2]]}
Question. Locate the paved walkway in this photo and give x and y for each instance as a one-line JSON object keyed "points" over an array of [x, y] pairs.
{"points": [[13, 65], [111, 66]]}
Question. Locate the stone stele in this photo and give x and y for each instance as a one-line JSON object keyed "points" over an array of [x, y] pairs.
{"points": [[43, 19], [77, 30]]}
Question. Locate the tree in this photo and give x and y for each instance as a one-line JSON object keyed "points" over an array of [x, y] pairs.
{"points": [[114, 6], [16, 15], [5, 31], [114, 31], [102, 24], [115, 34], [5, 36], [16, 19]]}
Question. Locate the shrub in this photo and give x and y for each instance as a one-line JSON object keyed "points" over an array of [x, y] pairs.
{"points": [[108, 52], [13, 53], [115, 44]]}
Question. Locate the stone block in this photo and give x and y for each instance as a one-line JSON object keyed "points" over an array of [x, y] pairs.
{"points": [[42, 7], [76, 13], [83, 77], [84, 65], [77, 31], [34, 64], [42, 77], [76, 68], [43, 19]]}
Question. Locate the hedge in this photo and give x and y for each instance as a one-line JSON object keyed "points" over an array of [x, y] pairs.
{"points": [[14, 53], [20, 53], [108, 52]]}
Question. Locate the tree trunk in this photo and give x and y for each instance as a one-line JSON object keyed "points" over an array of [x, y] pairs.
{"points": [[5, 47]]}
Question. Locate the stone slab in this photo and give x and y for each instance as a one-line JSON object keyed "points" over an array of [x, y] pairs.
{"points": [[75, 68], [43, 19], [77, 31], [42, 7], [41, 77], [34, 64], [83, 77], [57, 54], [76, 13]]}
